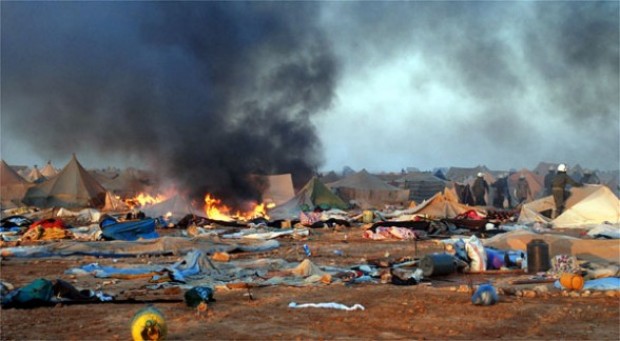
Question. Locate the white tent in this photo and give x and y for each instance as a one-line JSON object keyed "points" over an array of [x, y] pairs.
{"points": [[590, 205], [587, 206]]}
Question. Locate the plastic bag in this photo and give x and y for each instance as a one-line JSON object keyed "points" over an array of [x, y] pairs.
{"points": [[477, 255]]}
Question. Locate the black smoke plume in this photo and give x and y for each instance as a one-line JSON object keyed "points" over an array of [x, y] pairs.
{"points": [[207, 92]]}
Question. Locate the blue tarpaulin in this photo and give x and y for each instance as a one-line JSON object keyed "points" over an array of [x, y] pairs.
{"points": [[130, 230]]}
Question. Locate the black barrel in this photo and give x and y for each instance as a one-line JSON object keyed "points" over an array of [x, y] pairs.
{"points": [[437, 264], [537, 256]]}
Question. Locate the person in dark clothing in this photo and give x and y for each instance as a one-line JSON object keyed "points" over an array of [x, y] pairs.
{"points": [[501, 191], [590, 177], [558, 188], [548, 179], [479, 189], [522, 192]]}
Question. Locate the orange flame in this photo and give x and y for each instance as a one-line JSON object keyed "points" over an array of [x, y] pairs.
{"points": [[214, 209], [143, 199]]}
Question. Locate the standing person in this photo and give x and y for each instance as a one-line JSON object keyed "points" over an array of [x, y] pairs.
{"points": [[548, 179], [590, 177], [522, 192], [479, 189], [558, 188], [501, 191]]}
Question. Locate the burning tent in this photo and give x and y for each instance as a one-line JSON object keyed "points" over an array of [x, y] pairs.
{"points": [[72, 187], [114, 204], [176, 206]]}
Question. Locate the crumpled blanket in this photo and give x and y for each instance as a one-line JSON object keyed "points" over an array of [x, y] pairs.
{"points": [[309, 218], [390, 232], [42, 233]]}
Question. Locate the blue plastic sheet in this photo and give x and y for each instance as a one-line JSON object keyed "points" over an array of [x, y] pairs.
{"points": [[130, 230]]}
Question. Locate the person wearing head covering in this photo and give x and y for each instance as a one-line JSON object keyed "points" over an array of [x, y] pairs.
{"points": [[479, 189], [501, 191], [548, 179], [558, 188], [590, 177], [522, 192]]}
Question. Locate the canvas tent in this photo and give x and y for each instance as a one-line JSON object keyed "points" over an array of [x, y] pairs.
{"points": [[421, 185], [12, 187], [368, 191], [441, 205], [72, 187], [586, 207], [48, 171], [279, 189], [35, 175], [534, 181], [313, 194], [589, 205], [114, 204]]}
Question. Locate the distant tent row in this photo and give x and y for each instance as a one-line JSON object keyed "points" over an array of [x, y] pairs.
{"points": [[72, 187], [421, 186], [368, 191]]}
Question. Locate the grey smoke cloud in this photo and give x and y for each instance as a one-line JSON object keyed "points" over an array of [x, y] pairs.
{"points": [[518, 82]]}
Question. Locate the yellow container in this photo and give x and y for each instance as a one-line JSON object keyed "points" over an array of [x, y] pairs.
{"points": [[571, 281], [367, 216], [148, 324]]}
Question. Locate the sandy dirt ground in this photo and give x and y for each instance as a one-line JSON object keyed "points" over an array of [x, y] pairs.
{"points": [[439, 309]]}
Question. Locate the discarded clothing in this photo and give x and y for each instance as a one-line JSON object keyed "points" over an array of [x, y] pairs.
{"points": [[48, 229], [197, 295], [385, 232], [15, 221], [330, 305], [41, 292], [564, 264]]}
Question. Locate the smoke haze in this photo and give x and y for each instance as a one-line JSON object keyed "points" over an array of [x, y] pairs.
{"points": [[209, 92]]}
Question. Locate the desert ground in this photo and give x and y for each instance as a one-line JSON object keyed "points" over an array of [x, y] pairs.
{"points": [[438, 308]]}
